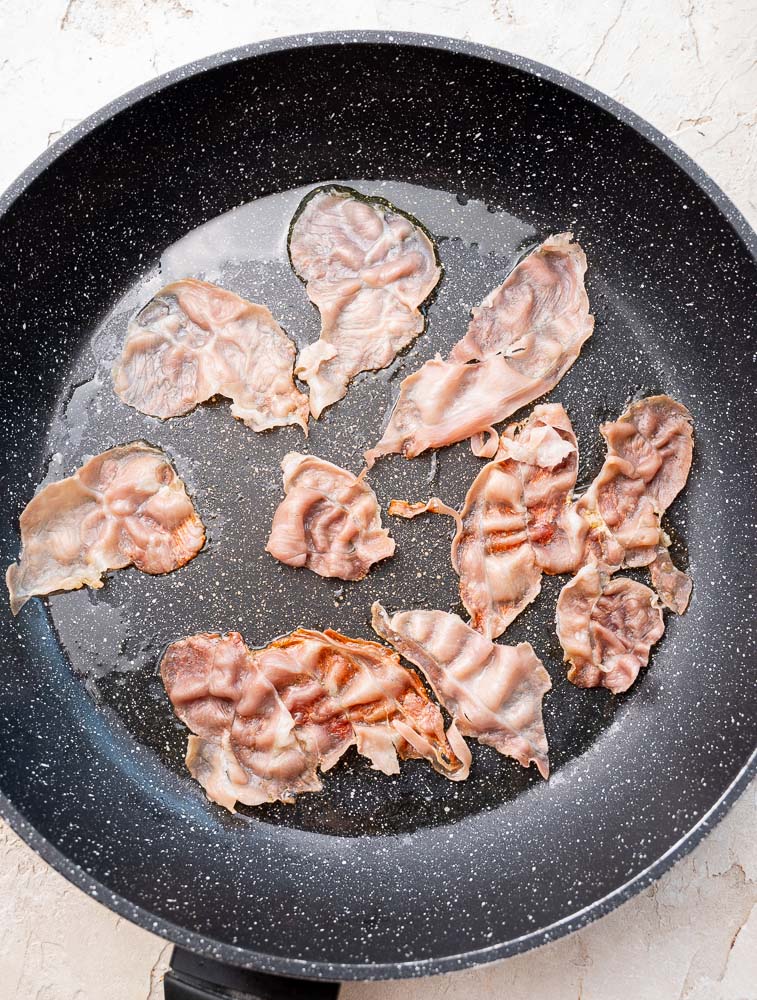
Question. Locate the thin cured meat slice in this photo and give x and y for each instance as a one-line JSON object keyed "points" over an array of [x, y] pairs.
{"points": [[523, 338], [617, 521], [543, 454], [513, 523], [368, 268], [263, 721], [607, 628], [385, 704], [329, 520], [124, 507], [448, 401], [195, 340], [494, 693], [543, 300], [244, 746]]}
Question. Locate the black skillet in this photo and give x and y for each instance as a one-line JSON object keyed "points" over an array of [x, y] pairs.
{"points": [[376, 876]]}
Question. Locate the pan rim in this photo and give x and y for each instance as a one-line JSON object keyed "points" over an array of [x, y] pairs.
{"points": [[231, 954]]}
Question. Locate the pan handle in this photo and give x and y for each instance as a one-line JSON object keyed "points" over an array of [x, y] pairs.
{"points": [[191, 977]]}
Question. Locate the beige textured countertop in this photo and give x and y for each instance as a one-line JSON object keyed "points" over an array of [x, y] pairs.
{"points": [[688, 67]]}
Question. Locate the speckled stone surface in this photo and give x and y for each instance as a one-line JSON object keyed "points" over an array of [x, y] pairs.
{"points": [[696, 918]]}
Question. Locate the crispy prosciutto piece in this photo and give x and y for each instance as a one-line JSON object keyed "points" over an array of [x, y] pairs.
{"points": [[606, 628], [617, 521], [329, 520], [124, 507], [368, 268], [195, 340], [385, 704], [520, 342], [494, 693], [513, 523], [263, 721]]}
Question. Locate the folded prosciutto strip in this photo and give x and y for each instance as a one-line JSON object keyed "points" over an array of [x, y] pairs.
{"points": [[195, 340], [520, 342], [124, 507], [513, 524], [368, 268], [263, 721], [606, 628], [329, 520], [616, 522], [494, 693]]}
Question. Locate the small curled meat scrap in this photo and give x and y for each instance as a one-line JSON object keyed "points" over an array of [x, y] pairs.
{"points": [[124, 507], [263, 722]]}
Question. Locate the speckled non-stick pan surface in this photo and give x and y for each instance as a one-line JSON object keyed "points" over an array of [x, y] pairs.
{"points": [[377, 875]]}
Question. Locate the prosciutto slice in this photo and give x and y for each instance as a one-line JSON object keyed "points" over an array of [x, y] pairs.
{"points": [[368, 268], [263, 721], [617, 521], [606, 628], [493, 692], [514, 522], [385, 704], [243, 746], [124, 507], [195, 340], [329, 520], [520, 342], [542, 302]]}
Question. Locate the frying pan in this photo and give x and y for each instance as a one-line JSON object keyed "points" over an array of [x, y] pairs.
{"points": [[376, 876]]}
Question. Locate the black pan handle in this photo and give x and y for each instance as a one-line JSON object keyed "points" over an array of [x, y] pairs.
{"points": [[191, 977]]}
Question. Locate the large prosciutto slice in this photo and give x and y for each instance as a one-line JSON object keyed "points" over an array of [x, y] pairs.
{"points": [[264, 720], [513, 524], [368, 268], [617, 521], [195, 340], [494, 693], [520, 342], [606, 628], [124, 507], [329, 520]]}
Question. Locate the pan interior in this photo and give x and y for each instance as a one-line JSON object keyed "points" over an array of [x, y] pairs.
{"points": [[114, 637]]}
